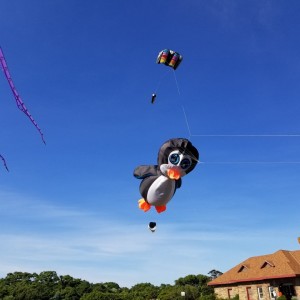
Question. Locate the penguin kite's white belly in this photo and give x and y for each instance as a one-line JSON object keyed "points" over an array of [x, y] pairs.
{"points": [[161, 191]]}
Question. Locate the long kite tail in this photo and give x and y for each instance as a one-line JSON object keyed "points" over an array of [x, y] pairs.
{"points": [[4, 162], [19, 101]]}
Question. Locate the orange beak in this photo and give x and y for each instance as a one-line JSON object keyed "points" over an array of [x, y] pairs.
{"points": [[173, 174]]}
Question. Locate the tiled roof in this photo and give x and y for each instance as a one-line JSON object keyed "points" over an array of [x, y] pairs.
{"points": [[281, 264]]}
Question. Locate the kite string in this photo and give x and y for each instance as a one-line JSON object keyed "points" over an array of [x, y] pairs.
{"points": [[248, 162], [233, 135], [246, 135], [186, 121], [224, 135], [182, 106], [160, 81], [176, 81]]}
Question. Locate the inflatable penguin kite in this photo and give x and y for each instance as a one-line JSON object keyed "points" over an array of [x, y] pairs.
{"points": [[176, 158]]}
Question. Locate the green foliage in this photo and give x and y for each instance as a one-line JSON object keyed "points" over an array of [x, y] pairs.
{"points": [[170, 292], [214, 274], [143, 291], [49, 286], [187, 280], [208, 297], [236, 297], [8, 298], [96, 295]]}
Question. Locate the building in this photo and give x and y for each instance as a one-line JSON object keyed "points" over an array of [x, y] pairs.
{"points": [[262, 277]]}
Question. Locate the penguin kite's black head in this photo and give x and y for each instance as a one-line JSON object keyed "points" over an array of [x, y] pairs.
{"points": [[179, 152]]}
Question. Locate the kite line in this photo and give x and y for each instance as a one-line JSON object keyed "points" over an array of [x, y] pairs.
{"points": [[173, 59], [183, 110], [250, 162], [246, 135], [235, 135]]}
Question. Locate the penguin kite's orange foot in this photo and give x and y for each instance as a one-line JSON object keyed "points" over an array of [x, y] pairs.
{"points": [[160, 209], [143, 205]]}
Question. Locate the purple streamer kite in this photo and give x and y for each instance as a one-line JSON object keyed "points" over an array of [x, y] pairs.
{"points": [[4, 162], [18, 99]]}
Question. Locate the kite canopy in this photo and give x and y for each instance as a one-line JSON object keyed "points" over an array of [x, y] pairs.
{"points": [[169, 58]]}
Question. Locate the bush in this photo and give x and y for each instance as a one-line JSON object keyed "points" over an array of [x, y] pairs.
{"points": [[236, 297], [208, 297]]}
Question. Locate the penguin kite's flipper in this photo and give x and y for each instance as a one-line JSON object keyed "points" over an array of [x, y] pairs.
{"points": [[144, 205], [161, 208], [141, 172]]}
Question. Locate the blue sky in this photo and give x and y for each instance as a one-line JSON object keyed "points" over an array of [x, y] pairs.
{"points": [[86, 71]]}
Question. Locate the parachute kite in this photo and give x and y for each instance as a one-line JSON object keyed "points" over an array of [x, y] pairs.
{"points": [[176, 158], [20, 103], [170, 58]]}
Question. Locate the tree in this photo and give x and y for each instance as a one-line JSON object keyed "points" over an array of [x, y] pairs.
{"points": [[187, 280], [144, 291], [8, 298], [69, 293], [84, 287], [12, 278], [195, 286], [208, 297], [48, 278], [3, 289], [169, 292], [214, 274], [96, 295], [49, 286]]}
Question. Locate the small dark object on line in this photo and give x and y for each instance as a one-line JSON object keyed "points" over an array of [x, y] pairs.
{"points": [[152, 226], [153, 98]]}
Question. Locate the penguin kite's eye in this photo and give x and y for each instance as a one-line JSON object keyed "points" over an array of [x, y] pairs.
{"points": [[174, 158], [185, 163]]}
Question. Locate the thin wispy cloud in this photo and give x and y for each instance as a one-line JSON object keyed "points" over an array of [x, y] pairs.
{"points": [[100, 243]]}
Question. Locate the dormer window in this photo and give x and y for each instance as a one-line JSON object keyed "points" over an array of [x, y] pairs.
{"points": [[267, 264], [242, 268]]}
